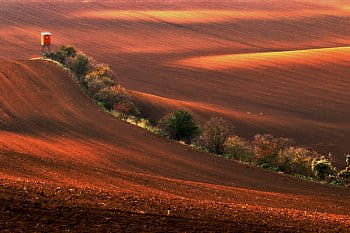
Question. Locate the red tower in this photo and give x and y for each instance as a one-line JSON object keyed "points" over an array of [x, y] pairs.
{"points": [[46, 41]]}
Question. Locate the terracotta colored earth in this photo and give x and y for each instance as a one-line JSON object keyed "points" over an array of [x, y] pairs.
{"points": [[52, 133], [278, 67], [67, 165]]}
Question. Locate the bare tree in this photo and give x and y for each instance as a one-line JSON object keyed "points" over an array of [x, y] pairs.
{"points": [[215, 133]]}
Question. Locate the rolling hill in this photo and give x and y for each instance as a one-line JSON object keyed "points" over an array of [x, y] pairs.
{"points": [[53, 135], [278, 67]]}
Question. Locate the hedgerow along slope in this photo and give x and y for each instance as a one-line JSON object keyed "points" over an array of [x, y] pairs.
{"points": [[52, 132], [151, 45]]}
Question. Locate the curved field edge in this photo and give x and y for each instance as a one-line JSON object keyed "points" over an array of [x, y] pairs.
{"points": [[306, 102], [44, 139]]}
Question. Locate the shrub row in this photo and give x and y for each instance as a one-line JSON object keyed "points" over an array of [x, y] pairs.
{"points": [[266, 151], [99, 81], [273, 153]]}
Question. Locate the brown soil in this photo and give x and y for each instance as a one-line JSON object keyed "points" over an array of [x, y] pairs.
{"points": [[157, 48], [61, 157], [52, 133], [42, 207]]}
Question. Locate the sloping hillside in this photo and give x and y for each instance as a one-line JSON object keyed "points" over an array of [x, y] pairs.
{"points": [[52, 133], [277, 67]]}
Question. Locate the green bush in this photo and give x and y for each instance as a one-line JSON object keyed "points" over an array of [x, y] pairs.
{"points": [[179, 125], [119, 99], [62, 54], [296, 161], [108, 96], [239, 149], [344, 175], [79, 64], [124, 102], [99, 79], [322, 168], [215, 133], [69, 51]]}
